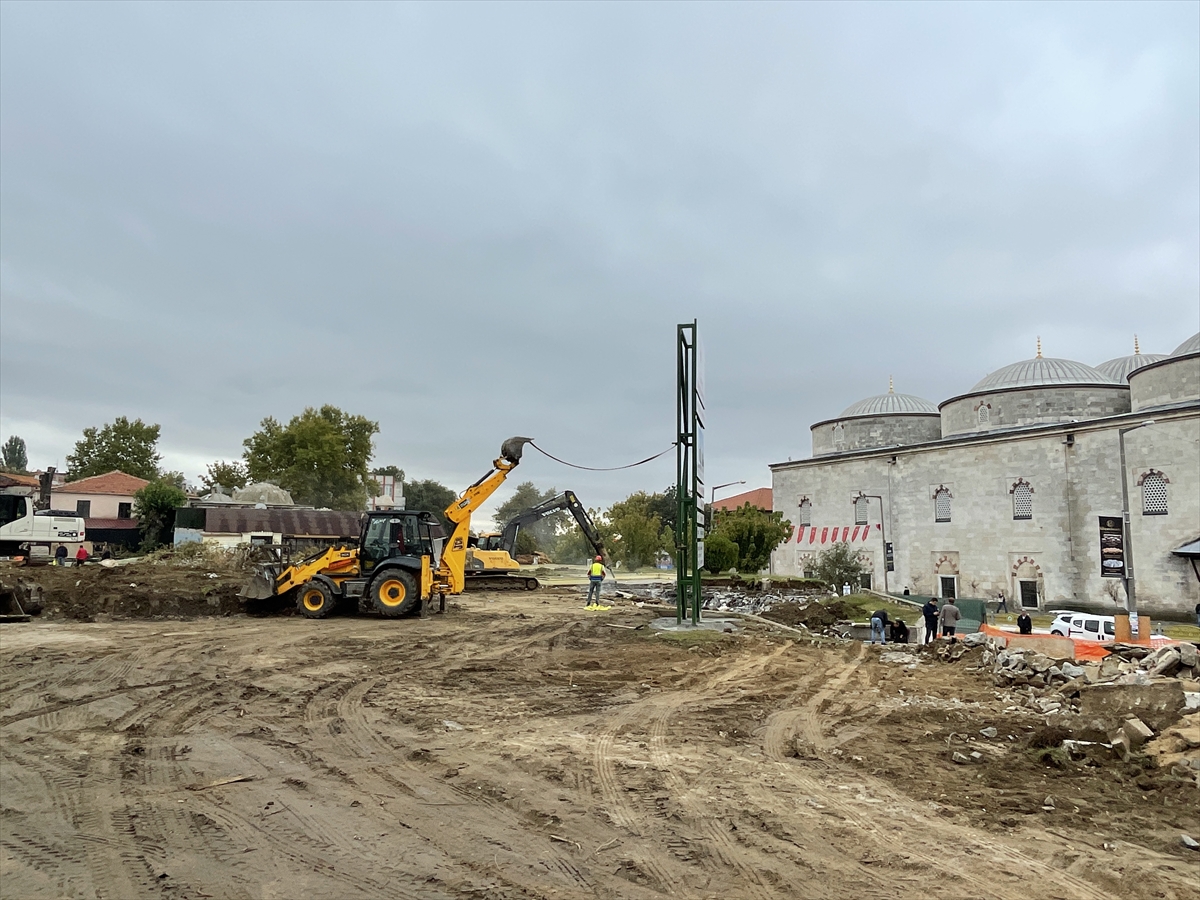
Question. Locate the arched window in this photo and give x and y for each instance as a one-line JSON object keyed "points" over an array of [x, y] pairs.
{"points": [[984, 415], [805, 512], [941, 505], [839, 435], [1022, 499], [861, 507], [1154, 494]]}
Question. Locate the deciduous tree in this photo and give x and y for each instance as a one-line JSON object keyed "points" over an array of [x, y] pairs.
{"points": [[429, 496], [15, 457], [720, 553], [839, 565], [129, 447], [154, 507], [227, 475], [320, 457], [635, 533], [755, 532], [543, 532]]}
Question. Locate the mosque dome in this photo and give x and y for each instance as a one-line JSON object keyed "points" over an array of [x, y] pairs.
{"points": [[1118, 369], [890, 404], [263, 492], [1040, 372], [1188, 347]]}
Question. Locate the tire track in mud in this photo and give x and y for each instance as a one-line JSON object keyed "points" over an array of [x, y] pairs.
{"points": [[780, 727]]}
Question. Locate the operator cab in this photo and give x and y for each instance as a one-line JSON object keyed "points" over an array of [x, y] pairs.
{"points": [[390, 533]]}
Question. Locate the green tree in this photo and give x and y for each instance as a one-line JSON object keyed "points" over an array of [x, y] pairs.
{"points": [[666, 507], [570, 545], [15, 457], [129, 447], [154, 507], [227, 475], [541, 533], [320, 457], [838, 565], [755, 532], [633, 532], [429, 496], [720, 553], [395, 471]]}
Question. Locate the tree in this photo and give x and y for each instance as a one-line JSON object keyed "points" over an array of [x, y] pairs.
{"points": [[320, 457], [838, 565], [129, 447], [666, 507], [755, 532], [227, 475], [395, 471], [570, 545], [429, 496], [720, 553], [15, 457], [542, 533], [635, 534], [154, 507]]}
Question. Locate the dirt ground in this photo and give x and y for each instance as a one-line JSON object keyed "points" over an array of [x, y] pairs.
{"points": [[518, 747]]}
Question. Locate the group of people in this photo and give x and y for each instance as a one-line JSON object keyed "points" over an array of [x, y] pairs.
{"points": [[60, 555], [946, 618]]}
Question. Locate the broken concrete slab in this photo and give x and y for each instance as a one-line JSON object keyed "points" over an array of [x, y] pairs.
{"points": [[1166, 663], [1158, 703], [1188, 655], [1137, 731]]}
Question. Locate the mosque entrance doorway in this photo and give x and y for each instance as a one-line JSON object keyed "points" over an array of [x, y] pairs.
{"points": [[1028, 593], [949, 586]]}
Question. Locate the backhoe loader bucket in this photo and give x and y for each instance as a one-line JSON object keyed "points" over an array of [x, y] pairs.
{"points": [[511, 449], [260, 586]]}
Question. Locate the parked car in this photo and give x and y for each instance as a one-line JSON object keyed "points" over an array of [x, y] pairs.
{"points": [[1085, 626]]}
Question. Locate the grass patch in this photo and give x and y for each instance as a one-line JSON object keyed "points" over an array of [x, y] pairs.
{"points": [[865, 604], [692, 637]]}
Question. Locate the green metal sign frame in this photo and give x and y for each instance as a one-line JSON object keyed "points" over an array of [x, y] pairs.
{"points": [[689, 472]]}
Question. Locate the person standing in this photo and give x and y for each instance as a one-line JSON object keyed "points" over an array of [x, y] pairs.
{"points": [[930, 612], [950, 616], [1024, 623], [1001, 602], [595, 579], [879, 621]]}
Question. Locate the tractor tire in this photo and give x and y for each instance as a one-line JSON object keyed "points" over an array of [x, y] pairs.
{"points": [[395, 593], [315, 600]]}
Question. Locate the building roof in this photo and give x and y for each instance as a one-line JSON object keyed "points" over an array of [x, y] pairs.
{"points": [[263, 492], [1188, 347], [327, 523], [117, 483], [1040, 372], [12, 479], [1118, 369], [110, 524], [759, 497], [890, 404]]}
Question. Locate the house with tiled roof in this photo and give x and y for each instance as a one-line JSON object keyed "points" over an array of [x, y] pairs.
{"points": [[106, 504]]}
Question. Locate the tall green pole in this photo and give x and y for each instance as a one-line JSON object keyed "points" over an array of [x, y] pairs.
{"points": [[688, 472]]}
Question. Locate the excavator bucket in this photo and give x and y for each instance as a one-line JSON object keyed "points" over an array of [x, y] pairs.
{"points": [[260, 586], [512, 448]]}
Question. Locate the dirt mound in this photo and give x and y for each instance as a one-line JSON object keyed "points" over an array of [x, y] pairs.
{"points": [[141, 590], [813, 616]]}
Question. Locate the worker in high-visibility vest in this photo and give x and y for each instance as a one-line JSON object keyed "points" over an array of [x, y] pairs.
{"points": [[595, 579]]}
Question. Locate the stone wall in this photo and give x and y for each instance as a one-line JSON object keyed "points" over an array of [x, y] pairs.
{"points": [[1045, 404], [867, 432], [1173, 380], [1074, 473]]}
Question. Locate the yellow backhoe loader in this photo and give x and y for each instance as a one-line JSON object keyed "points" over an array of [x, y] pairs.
{"points": [[404, 558]]}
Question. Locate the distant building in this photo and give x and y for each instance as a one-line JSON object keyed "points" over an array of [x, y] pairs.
{"points": [[759, 497], [1009, 486], [229, 526], [105, 502], [391, 493]]}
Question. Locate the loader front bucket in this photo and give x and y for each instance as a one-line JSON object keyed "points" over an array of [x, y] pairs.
{"points": [[259, 587]]}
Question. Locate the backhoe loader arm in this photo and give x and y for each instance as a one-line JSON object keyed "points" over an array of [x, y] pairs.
{"points": [[449, 576], [566, 500]]}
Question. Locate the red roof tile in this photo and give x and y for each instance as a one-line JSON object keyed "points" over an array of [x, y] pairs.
{"points": [[124, 524], [760, 497], [111, 483]]}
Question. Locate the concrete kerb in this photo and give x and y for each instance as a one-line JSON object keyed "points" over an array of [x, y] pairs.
{"points": [[668, 623]]}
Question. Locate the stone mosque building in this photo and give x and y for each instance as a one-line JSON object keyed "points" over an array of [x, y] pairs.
{"points": [[1007, 487]]}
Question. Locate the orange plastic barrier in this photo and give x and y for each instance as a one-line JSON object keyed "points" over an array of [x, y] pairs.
{"points": [[1084, 649]]}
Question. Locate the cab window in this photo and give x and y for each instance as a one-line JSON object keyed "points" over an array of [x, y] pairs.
{"points": [[1108, 628], [1077, 623], [1092, 625]]}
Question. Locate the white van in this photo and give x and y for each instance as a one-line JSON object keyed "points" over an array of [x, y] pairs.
{"points": [[1085, 626]]}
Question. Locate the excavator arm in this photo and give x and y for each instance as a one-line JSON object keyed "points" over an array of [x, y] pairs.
{"points": [[566, 500], [448, 579]]}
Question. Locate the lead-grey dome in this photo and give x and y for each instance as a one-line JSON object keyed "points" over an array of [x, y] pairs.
{"points": [[1118, 369], [890, 404], [1040, 371], [1191, 345], [263, 492]]}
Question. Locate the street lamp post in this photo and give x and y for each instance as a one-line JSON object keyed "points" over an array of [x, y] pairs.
{"points": [[882, 531], [712, 495], [1127, 534]]}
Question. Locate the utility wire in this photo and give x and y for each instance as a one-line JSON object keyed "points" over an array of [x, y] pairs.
{"points": [[609, 468]]}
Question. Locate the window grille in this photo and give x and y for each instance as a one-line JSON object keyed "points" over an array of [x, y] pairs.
{"points": [[984, 415], [861, 507], [1022, 494], [1154, 495], [805, 512], [941, 505]]}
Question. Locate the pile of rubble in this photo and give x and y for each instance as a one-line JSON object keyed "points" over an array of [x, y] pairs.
{"points": [[1126, 664]]}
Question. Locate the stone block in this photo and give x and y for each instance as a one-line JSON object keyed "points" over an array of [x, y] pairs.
{"points": [[1187, 655], [1137, 731], [1159, 704], [1166, 663]]}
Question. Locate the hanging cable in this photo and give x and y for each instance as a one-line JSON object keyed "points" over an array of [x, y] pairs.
{"points": [[607, 469]]}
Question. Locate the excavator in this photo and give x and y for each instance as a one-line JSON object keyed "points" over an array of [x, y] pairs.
{"points": [[403, 559], [490, 556]]}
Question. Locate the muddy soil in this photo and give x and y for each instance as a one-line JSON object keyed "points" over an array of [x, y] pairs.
{"points": [[813, 615], [518, 747]]}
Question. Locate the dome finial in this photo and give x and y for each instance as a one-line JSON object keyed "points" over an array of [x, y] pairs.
{"points": [[1137, 351], [1039, 347], [891, 387]]}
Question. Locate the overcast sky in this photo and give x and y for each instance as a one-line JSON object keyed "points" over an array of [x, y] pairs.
{"points": [[469, 221]]}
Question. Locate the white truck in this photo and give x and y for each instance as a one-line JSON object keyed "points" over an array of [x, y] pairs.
{"points": [[23, 530]]}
